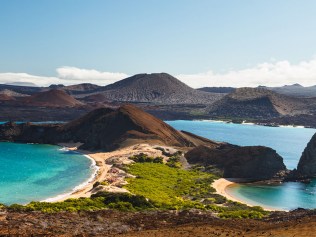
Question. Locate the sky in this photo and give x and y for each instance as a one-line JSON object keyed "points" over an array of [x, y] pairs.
{"points": [[201, 42]]}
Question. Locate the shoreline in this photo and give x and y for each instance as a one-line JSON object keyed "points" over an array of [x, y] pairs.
{"points": [[103, 161], [250, 123], [82, 185], [83, 189], [222, 184]]}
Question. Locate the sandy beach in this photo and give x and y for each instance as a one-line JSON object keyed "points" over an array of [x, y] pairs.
{"points": [[104, 161], [222, 184]]}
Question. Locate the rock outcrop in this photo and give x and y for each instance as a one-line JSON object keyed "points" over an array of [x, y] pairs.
{"points": [[106, 129], [307, 164], [252, 162]]}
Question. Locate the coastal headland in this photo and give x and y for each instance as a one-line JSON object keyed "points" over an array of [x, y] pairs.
{"points": [[144, 165]]}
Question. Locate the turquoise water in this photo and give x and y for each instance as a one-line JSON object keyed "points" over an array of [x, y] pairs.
{"points": [[32, 172], [287, 141], [287, 196]]}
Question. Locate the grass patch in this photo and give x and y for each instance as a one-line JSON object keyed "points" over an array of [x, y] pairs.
{"points": [[101, 200], [172, 188], [169, 187]]}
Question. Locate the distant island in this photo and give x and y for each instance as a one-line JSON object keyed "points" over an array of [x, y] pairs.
{"points": [[165, 97]]}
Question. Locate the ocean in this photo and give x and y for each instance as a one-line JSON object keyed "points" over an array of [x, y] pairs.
{"points": [[289, 142], [33, 172]]}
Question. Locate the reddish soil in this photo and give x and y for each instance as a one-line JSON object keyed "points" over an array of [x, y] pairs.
{"points": [[158, 223], [52, 98]]}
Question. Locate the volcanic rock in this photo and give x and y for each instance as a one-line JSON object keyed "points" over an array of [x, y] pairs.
{"points": [[250, 162], [156, 88], [106, 129], [259, 103], [307, 164]]}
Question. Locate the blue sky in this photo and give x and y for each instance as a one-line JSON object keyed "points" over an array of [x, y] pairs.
{"points": [[200, 41]]}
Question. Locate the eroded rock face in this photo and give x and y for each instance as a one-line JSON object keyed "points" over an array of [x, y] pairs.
{"points": [[252, 162], [307, 164]]}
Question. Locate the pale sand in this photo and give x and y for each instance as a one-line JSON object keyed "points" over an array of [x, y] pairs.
{"points": [[222, 184], [120, 156]]}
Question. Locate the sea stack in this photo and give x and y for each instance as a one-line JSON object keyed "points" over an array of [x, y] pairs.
{"points": [[307, 164]]}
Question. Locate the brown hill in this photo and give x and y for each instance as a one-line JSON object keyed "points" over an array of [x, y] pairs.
{"points": [[104, 128], [52, 98], [156, 88], [111, 128], [259, 103]]}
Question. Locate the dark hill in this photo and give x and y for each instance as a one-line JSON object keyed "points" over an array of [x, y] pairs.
{"points": [[78, 89], [252, 162], [258, 103], [105, 129], [307, 164], [224, 90], [295, 90], [26, 90], [52, 98], [156, 88]]}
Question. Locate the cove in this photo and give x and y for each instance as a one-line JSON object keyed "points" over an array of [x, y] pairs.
{"points": [[33, 172], [289, 142]]}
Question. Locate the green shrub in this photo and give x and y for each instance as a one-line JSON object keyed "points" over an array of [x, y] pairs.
{"points": [[137, 201], [122, 206], [169, 188], [174, 161], [240, 214], [143, 158]]}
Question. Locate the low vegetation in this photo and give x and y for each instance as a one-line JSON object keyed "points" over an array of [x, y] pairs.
{"points": [[156, 186], [173, 188], [101, 200]]}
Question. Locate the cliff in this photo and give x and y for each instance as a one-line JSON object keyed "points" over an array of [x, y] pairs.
{"points": [[253, 162], [307, 164]]}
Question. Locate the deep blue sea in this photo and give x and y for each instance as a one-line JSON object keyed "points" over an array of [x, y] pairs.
{"points": [[289, 142], [32, 172]]}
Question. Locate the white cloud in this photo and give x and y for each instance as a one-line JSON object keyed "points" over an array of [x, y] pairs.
{"points": [[78, 74], [66, 76], [268, 74], [16, 78], [275, 73]]}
